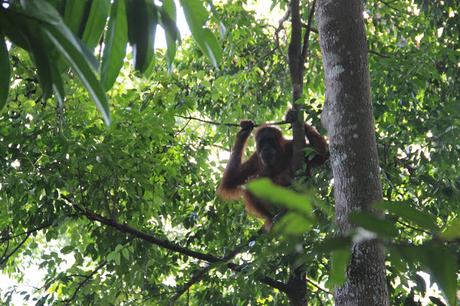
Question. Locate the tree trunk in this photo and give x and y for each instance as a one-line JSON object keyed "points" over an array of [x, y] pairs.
{"points": [[297, 285], [348, 118]]}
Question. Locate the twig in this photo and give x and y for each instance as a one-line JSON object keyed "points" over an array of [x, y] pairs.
{"points": [[314, 284], [229, 124], [306, 37], [196, 278], [183, 128], [280, 26], [413, 227], [7, 238], [391, 6], [5, 259], [82, 283], [7, 247], [206, 121], [200, 274], [378, 54]]}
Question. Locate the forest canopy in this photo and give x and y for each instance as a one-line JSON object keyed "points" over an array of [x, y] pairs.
{"points": [[126, 213]]}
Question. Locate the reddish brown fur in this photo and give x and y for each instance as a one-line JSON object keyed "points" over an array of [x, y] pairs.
{"points": [[238, 173]]}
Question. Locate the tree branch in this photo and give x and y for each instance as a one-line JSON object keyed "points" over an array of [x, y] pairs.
{"points": [[296, 69], [280, 26], [228, 124], [200, 274], [149, 238], [5, 258], [172, 246], [83, 282], [314, 284], [306, 38], [7, 237], [378, 54]]}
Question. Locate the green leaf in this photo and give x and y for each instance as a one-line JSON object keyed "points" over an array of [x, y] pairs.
{"points": [[420, 284], [13, 27], [96, 22], [440, 262], [114, 256], [339, 264], [115, 44], [67, 249], [292, 224], [369, 222], [436, 301], [210, 46], [196, 16], [168, 21], [75, 15], [331, 244], [72, 50], [277, 195], [4, 71], [195, 13], [42, 10], [452, 231], [41, 58], [125, 253], [58, 86], [142, 22], [67, 45], [404, 210]]}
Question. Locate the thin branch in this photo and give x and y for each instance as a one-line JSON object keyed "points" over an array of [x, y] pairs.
{"points": [[228, 124], [7, 247], [378, 54], [280, 26], [312, 29], [306, 38], [391, 6], [314, 284], [7, 238], [83, 282], [183, 128], [148, 237], [414, 228], [5, 259], [206, 121], [200, 274], [196, 278]]}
